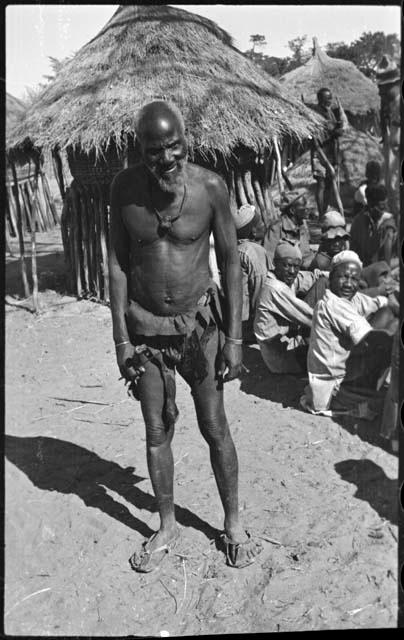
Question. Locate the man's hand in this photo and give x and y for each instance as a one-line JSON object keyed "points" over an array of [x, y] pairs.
{"points": [[124, 358], [387, 287], [394, 304], [230, 361]]}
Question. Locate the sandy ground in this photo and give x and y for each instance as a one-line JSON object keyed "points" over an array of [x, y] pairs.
{"points": [[321, 494]]}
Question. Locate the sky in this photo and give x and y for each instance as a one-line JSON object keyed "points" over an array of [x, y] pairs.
{"points": [[36, 32]]}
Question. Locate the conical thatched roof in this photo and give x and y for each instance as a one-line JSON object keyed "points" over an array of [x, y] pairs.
{"points": [[357, 93], [154, 52]]}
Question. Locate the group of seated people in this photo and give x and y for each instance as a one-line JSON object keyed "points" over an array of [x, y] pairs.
{"points": [[331, 315]]}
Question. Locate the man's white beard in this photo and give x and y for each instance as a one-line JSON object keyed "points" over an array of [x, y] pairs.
{"points": [[172, 184]]}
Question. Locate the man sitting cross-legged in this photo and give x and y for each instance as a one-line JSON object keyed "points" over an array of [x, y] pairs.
{"points": [[350, 341], [282, 318], [166, 314]]}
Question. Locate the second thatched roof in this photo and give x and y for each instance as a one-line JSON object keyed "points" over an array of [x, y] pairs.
{"points": [[160, 52], [357, 93]]}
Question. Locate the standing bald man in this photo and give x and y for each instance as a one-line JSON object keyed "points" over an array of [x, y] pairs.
{"points": [[167, 314]]}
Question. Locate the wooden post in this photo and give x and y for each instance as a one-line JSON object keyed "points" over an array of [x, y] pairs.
{"points": [[103, 242], [12, 211], [20, 233], [48, 198], [94, 240], [249, 188], [240, 189], [84, 237], [76, 238], [278, 165], [33, 243], [58, 171]]}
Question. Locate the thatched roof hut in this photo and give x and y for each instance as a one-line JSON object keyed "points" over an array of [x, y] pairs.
{"points": [[21, 180], [233, 113], [357, 93], [145, 52]]}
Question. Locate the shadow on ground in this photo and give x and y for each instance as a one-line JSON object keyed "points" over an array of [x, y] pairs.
{"points": [[258, 381], [373, 486], [51, 270], [57, 465], [367, 430]]}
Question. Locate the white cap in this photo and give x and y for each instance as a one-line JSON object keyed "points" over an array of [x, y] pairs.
{"points": [[345, 256], [244, 215]]}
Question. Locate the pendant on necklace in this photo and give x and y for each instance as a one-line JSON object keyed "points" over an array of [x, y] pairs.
{"points": [[166, 222]]}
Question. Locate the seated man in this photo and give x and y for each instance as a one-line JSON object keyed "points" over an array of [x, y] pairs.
{"points": [[373, 177], [350, 341], [374, 231], [334, 239], [254, 266], [282, 319], [290, 226]]}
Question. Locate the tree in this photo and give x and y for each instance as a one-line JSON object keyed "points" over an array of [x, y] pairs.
{"points": [[366, 51], [257, 41], [296, 46]]}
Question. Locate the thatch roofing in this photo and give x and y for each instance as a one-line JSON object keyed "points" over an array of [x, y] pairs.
{"points": [[160, 52], [357, 93]]}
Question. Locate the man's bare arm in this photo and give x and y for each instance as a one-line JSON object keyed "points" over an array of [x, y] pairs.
{"points": [[118, 275], [118, 267], [224, 233]]}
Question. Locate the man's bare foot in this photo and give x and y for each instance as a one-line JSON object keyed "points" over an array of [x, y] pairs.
{"points": [[241, 548], [154, 550]]}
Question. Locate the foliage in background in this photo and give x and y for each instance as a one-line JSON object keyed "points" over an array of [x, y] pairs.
{"points": [[365, 52]]}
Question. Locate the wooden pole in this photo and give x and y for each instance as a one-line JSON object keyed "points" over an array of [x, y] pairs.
{"points": [[103, 241], [58, 171], [20, 233], [12, 211], [76, 238], [33, 243], [278, 165], [249, 191], [84, 238], [240, 189], [48, 198], [94, 241]]}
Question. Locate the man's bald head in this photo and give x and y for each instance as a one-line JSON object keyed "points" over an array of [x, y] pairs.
{"points": [[158, 118], [161, 134]]}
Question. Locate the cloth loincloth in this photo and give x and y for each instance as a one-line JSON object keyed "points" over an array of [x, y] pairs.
{"points": [[176, 341]]}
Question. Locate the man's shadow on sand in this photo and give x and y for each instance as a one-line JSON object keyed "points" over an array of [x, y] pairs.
{"points": [[57, 465], [373, 486]]}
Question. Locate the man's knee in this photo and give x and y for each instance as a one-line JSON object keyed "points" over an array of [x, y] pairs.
{"points": [[214, 427], [158, 434]]}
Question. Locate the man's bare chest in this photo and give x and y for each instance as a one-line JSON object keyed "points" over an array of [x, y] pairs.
{"points": [[146, 225]]}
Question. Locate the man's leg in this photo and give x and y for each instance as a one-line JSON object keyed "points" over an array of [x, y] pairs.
{"points": [[159, 453], [212, 421]]}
